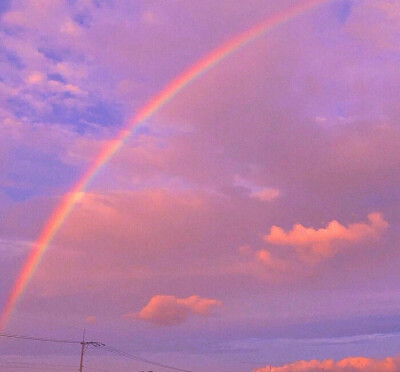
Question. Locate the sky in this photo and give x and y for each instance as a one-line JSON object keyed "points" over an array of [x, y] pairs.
{"points": [[250, 222]]}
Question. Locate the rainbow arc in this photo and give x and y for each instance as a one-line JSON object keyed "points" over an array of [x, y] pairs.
{"points": [[63, 210]]}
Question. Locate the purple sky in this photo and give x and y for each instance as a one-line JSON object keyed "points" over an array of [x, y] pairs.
{"points": [[251, 221]]}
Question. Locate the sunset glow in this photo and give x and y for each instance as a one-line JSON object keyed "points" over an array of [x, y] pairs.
{"points": [[151, 107], [199, 185]]}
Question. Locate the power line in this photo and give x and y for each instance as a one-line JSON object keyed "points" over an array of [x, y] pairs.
{"points": [[96, 369], [9, 335], [84, 344], [9, 369], [37, 367], [11, 364], [95, 344], [134, 357]]}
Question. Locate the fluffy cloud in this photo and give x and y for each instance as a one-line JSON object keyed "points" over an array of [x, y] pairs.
{"points": [[295, 253], [350, 364], [170, 310], [321, 243]]}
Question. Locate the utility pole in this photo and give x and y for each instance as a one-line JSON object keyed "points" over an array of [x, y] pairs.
{"points": [[84, 346], [82, 351]]}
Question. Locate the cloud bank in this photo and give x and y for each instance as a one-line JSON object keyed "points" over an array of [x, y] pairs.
{"points": [[350, 364]]}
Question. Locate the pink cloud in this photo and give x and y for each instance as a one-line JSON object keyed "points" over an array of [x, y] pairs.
{"points": [[127, 235], [266, 194], [306, 249], [169, 310], [265, 257], [35, 77], [91, 319], [350, 364], [32, 15], [321, 243]]}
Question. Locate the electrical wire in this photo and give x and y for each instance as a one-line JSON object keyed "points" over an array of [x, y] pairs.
{"points": [[137, 358], [9, 335], [110, 349], [10, 364], [36, 367], [96, 369]]}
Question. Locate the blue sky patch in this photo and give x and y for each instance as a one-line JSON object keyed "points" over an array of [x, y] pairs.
{"points": [[343, 10], [4, 5]]}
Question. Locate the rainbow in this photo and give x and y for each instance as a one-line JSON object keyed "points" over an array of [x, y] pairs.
{"points": [[154, 104]]}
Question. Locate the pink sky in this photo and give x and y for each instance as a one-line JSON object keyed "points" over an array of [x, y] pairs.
{"points": [[251, 222]]}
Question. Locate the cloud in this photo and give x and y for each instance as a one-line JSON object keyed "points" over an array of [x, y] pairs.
{"points": [[266, 194], [35, 77], [15, 247], [321, 243], [265, 257], [350, 364], [297, 253], [169, 310], [255, 191], [91, 319], [28, 151]]}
